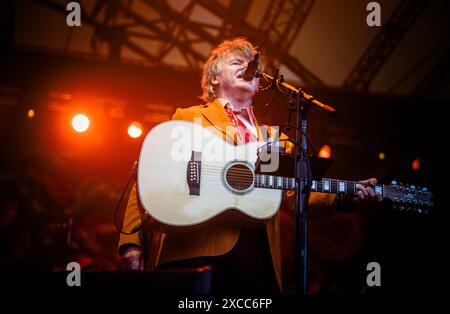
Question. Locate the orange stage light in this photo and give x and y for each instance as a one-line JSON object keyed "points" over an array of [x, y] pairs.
{"points": [[30, 113], [135, 129], [80, 123], [325, 151], [381, 156], [415, 165]]}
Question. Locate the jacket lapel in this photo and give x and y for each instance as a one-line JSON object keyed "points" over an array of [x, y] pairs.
{"points": [[218, 121], [216, 118], [258, 130]]}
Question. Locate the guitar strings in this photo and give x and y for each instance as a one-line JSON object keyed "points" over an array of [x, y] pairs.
{"points": [[245, 174], [237, 174], [219, 167], [217, 185]]}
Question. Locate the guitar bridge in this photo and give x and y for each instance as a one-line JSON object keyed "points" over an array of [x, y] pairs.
{"points": [[193, 172]]}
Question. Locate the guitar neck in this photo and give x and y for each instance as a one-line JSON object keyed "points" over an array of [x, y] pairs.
{"points": [[325, 185]]}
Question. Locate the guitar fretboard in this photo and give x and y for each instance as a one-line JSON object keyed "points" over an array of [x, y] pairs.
{"points": [[325, 185], [274, 182]]}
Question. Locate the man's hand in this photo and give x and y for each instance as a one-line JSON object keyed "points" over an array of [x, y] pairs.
{"points": [[134, 258], [367, 192]]}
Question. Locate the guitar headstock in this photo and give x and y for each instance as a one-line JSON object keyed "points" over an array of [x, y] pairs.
{"points": [[409, 197]]}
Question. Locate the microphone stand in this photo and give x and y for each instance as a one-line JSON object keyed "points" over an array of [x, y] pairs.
{"points": [[299, 102]]}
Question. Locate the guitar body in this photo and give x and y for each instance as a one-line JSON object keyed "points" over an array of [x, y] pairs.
{"points": [[166, 164]]}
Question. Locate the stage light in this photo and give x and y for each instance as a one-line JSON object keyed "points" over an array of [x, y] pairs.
{"points": [[30, 113], [381, 156], [80, 123], [415, 165], [135, 129], [325, 151]]}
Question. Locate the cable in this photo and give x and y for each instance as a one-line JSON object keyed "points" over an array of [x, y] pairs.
{"points": [[290, 140], [289, 125], [308, 163], [116, 212]]}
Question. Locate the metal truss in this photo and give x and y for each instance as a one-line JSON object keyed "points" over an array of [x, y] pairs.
{"points": [[126, 23], [384, 44], [115, 21], [280, 26], [436, 79], [275, 34]]}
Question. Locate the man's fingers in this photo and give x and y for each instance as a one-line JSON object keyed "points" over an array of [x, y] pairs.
{"points": [[367, 192], [370, 191], [135, 263], [360, 195], [363, 191], [379, 197], [141, 263]]}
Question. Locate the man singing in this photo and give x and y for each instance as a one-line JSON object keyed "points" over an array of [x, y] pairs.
{"points": [[244, 259]]}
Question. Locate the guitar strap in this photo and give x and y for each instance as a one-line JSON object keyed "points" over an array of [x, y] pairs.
{"points": [[150, 238]]}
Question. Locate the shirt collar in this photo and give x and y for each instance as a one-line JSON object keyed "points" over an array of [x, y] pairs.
{"points": [[225, 103], [250, 113]]}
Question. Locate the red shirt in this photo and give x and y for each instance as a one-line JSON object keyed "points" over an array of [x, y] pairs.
{"points": [[244, 134]]}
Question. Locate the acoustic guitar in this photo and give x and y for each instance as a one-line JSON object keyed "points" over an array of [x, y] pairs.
{"points": [[188, 174]]}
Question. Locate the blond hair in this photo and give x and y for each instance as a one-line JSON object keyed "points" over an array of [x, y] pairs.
{"points": [[237, 47]]}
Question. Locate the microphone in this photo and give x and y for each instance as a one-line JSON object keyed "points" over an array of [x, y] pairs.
{"points": [[252, 69]]}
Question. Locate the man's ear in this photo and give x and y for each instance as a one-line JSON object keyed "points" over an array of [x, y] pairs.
{"points": [[215, 79]]}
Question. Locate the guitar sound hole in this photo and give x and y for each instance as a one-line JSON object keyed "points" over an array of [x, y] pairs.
{"points": [[239, 177]]}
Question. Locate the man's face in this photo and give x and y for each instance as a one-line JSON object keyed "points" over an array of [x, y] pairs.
{"points": [[230, 81]]}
